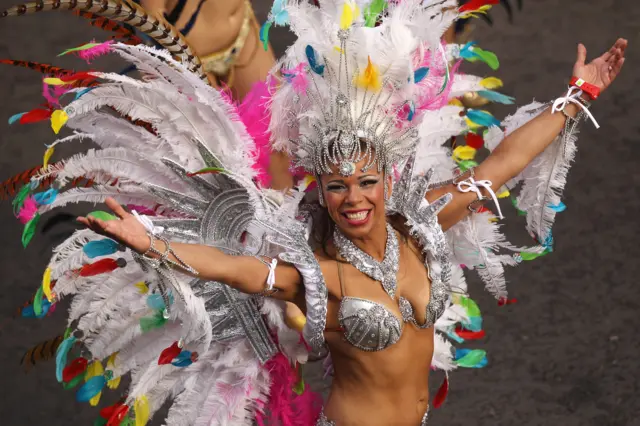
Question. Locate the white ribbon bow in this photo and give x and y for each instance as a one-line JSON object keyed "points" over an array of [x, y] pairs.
{"points": [[147, 223], [572, 97], [271, 279], [472, 185]]}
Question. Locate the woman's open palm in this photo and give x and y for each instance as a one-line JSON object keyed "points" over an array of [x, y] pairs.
{"points": [[603, 70], [127, 230]]}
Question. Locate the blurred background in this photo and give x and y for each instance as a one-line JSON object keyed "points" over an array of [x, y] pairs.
{"points": [[565, 354]]}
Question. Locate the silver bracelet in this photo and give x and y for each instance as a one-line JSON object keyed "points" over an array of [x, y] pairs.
{"points": [[163, 259]]}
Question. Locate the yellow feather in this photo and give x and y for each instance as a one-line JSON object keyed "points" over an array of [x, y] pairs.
{"points": [[142, 287], [46, 284], [471, 124], [370, 78], [463, 152], [456, 102], [95, 400], [111, 364], [47, 156], [94, 369], [52, 81], [504, 194], [350, 11], [58, 119], [491, 83], [141, 408]]}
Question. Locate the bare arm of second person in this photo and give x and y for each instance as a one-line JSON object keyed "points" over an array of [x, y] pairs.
{"points": [[244, 273]]}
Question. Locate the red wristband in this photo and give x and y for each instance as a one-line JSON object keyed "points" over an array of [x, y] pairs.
{"points": [[588, 88]]}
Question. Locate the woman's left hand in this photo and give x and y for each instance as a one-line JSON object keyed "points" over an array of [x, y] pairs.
{"points": [[603, 70]]}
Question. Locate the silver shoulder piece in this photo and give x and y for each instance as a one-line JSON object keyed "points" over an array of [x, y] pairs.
{"points": [[408, 199]]}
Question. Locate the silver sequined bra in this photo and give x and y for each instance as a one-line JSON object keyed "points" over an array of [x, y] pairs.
{"points": [[368, 325]]}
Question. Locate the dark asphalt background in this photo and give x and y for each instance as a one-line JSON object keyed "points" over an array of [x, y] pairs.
{"points": [[566, 354]]}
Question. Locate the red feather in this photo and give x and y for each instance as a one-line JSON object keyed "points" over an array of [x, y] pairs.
{"points": [[504, 301], [118, 415], [474, 141], [169, 354], [476, 4], [76, 367], [36, 115], [469, 335], [441, 395], [83, 75], [100, 267]]}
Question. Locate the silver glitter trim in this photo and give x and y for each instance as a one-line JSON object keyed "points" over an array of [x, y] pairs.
{"points": [[385, 272]]}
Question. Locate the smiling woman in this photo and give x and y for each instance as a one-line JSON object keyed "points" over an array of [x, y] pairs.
{"points": [[185, 290]]}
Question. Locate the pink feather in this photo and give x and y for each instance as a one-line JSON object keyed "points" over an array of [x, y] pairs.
{"points": [[254, 114], [141, 210], [90, 54], [285, 406], [28, 210]]}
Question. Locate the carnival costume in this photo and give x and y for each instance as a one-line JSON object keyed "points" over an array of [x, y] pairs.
{"points": [[365, 81]]}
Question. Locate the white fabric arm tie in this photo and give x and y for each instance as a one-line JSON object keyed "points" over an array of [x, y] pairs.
{"points": [[472, 185], [572, 97], [271, 279], [147, 223]]}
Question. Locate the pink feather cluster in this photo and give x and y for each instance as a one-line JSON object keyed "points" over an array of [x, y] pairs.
{"points": [[286, 407], [94, 52], [255, 116], [52, 93], [28, 210]]}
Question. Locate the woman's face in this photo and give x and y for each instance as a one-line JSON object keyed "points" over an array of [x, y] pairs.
{"points": [[355, 203]]}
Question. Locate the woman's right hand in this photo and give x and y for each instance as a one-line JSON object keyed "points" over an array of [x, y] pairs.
{"points": [[127, 231]]}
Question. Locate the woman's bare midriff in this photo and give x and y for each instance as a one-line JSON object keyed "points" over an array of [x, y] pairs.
{"points": [[388, 387]]}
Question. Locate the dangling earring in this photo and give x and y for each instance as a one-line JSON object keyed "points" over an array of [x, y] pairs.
{"points": [[386, 190], [320, 196]]}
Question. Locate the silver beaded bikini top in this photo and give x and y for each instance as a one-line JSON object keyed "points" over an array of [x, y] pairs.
{"points": [[369, 325]]}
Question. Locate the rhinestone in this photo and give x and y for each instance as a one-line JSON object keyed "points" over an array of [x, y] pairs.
{"points": [[347, 168], [165, 313]]}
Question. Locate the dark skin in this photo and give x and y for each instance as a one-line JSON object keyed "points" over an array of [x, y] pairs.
{"points": [[389, 386]]}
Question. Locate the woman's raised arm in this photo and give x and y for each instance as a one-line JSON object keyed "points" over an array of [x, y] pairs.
{"points": [[522, 146], [244, 273]]}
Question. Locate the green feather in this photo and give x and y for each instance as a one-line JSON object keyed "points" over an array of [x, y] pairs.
{"points": [[371, 13], [466, 165], [533, 256], [100, 422], [157, 320], [487, 57], [298, 388], [102, 215], [73, 382], [30, 230], [79, 48], [471, 359], [37, 301], [470, 306], [22, 195]]}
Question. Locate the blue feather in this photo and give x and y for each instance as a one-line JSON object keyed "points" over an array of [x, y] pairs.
{"points": [[560, 207], [482, 118], [61, 355], [183, 359], [264, 34], [313, 62], [461, 353], [496, 97], [420, 74], [474, 324], [279, 14], [412, 111], [28, 311], [466, 52], [156, 302], [45, 198], [16, 117], [99, 248], [91, 388], [453, 336], [84, 91]]}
